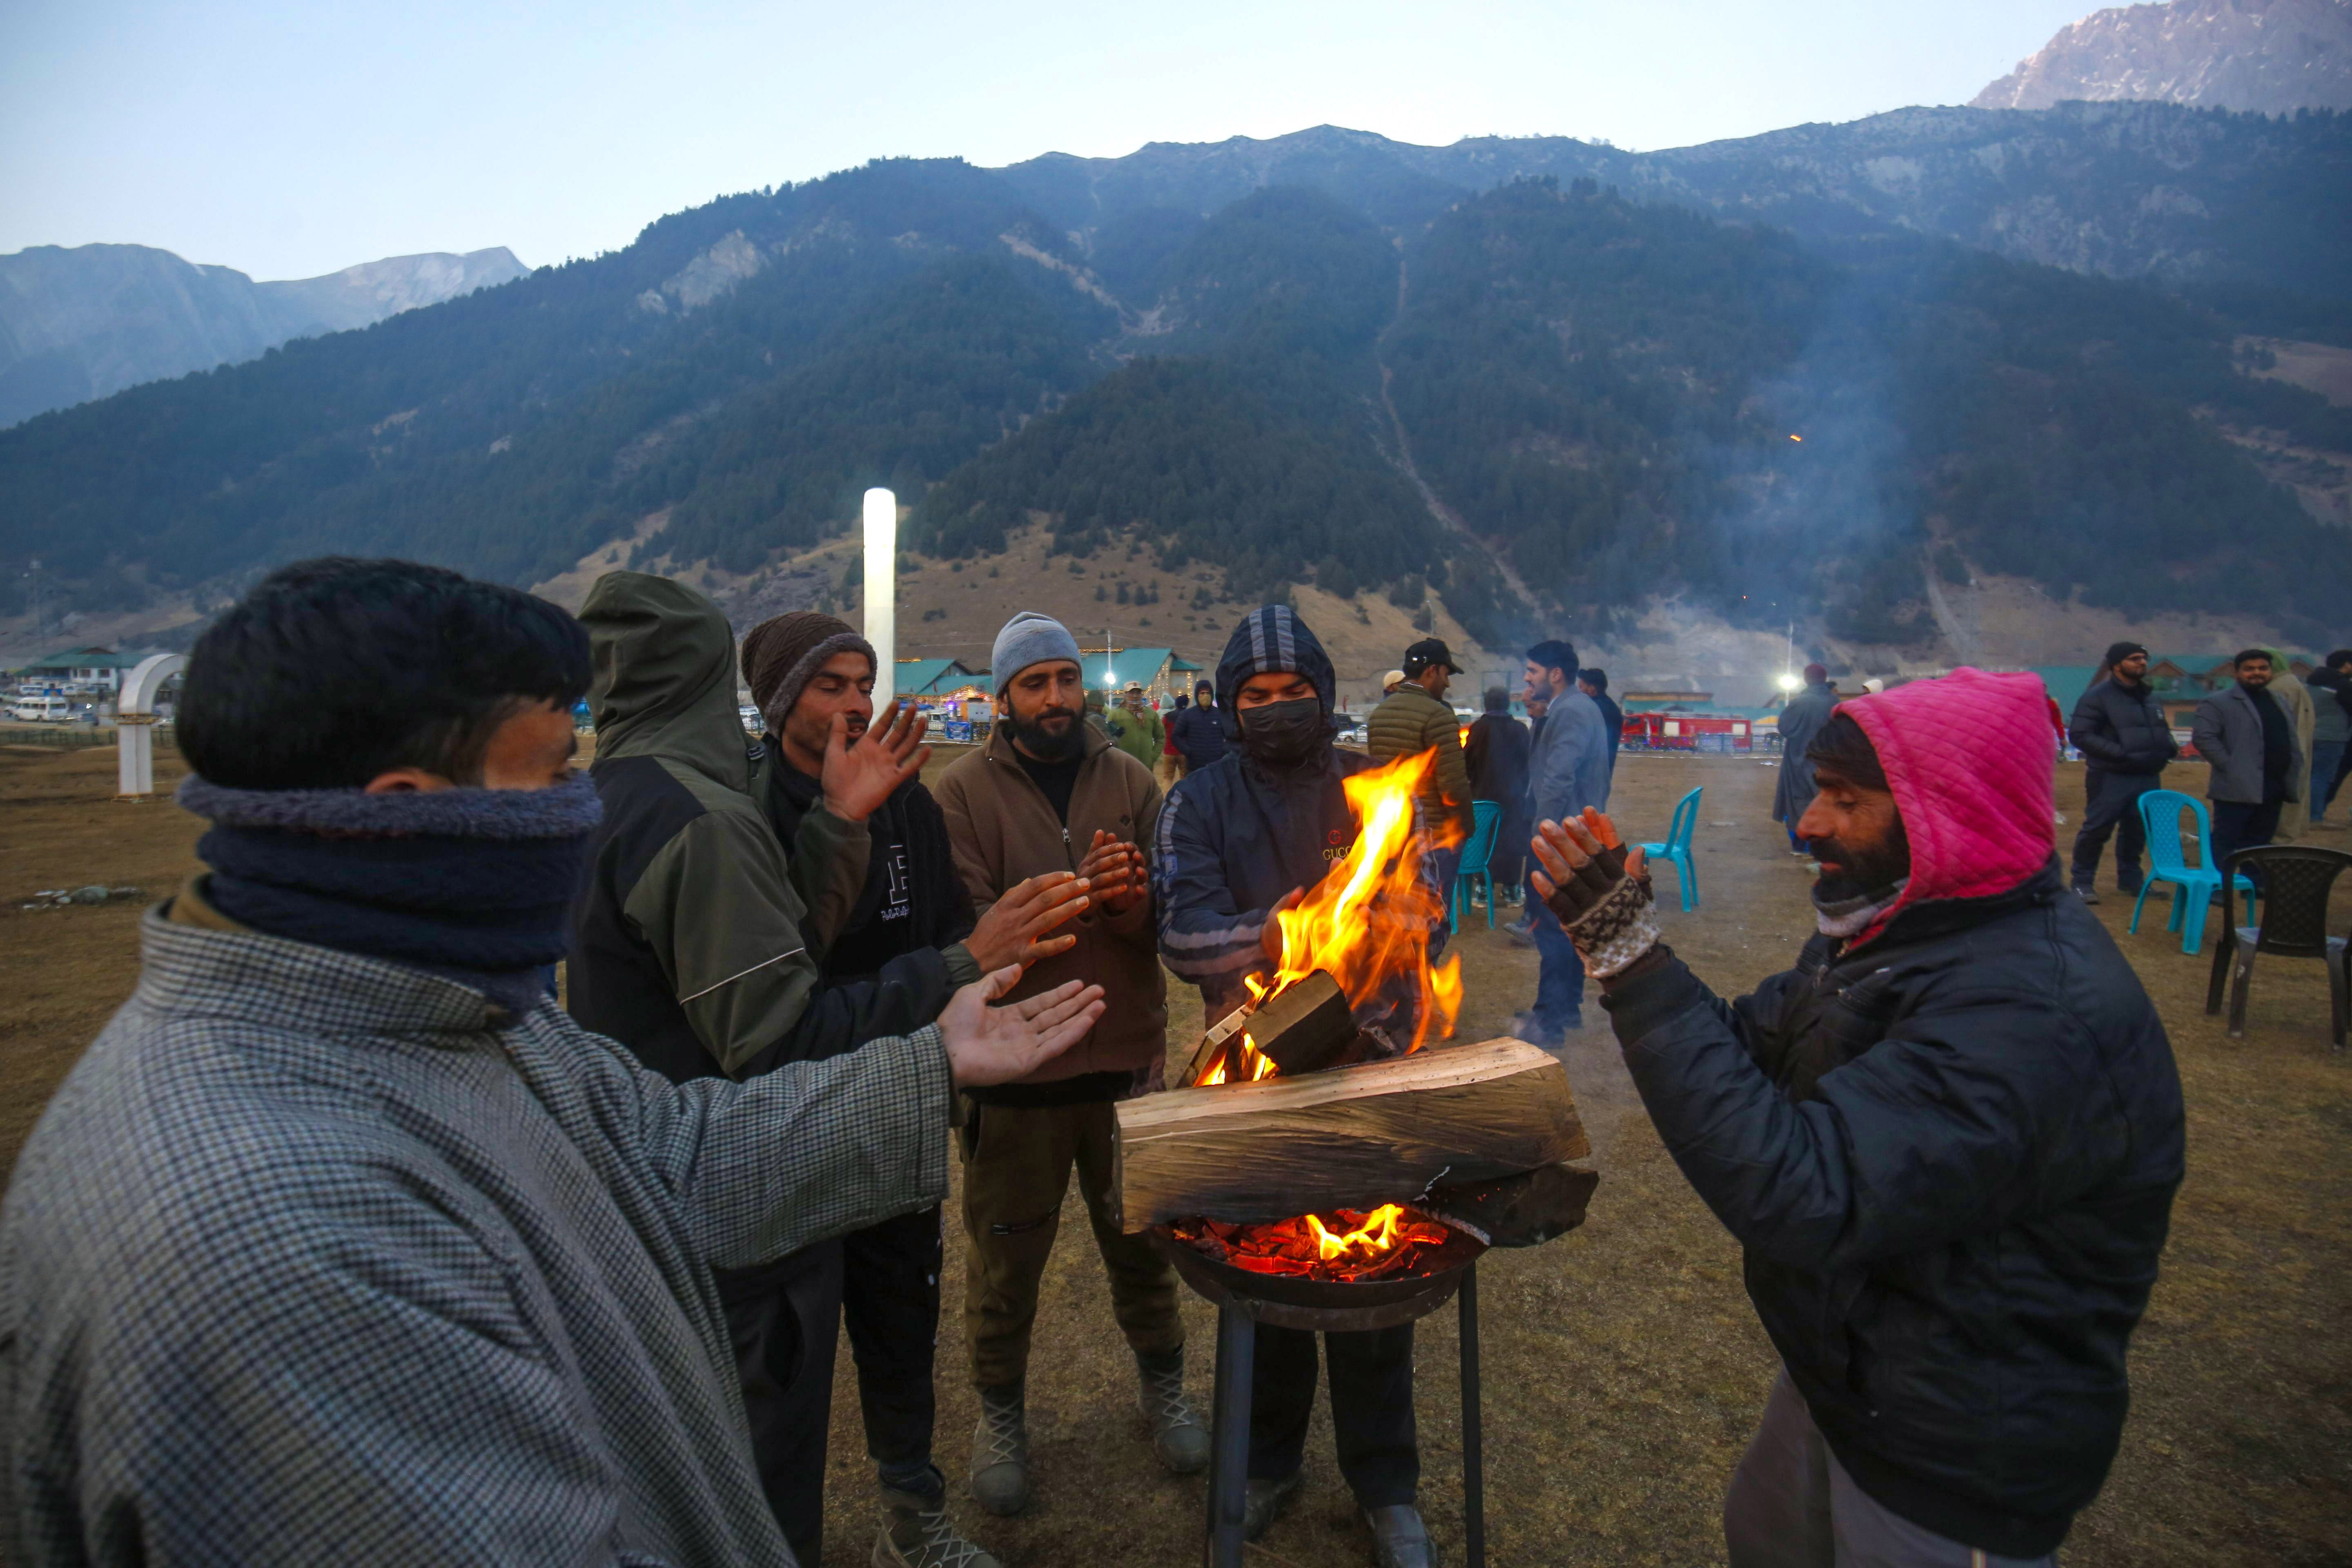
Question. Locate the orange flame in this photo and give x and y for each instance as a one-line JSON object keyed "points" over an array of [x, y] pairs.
{"points": [[1367, 920], [1260, 1067], [1376, 1236]]}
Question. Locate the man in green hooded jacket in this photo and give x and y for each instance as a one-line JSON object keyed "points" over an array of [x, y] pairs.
{"points": [[698, 943]]}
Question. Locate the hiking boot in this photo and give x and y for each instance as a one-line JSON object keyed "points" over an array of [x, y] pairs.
{"points": [[1178, 1439], [2084, 893], [999, 1452], [1263, 1502], [1399, 1538], [916, 1532]]}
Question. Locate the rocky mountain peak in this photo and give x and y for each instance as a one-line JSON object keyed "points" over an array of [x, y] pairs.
{"points": [[2268, 57]]}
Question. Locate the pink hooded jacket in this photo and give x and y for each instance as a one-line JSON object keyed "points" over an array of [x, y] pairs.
{"points": [[1970, 758]]}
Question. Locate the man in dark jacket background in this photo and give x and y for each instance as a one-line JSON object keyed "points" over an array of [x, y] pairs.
{"points": [[2121, 731], [1594, 683], [1948, 1140], [1498, 759], [2331, 730], [1801, 718], [696, 945], [1199, 740], [1237, 841]]}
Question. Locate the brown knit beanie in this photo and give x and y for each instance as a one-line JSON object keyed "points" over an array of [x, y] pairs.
{"points": [[779, 655]]}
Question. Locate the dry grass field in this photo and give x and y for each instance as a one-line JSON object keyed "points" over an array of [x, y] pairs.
{"points": [[1624, 1366]]}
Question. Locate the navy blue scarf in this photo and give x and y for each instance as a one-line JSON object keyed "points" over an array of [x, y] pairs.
{"points": [[473, 884]]}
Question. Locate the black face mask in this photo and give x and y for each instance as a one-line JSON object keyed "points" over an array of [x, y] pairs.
{"points": [[1284, 734]]}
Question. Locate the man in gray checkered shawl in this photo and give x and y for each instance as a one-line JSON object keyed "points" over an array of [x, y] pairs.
{"points": [[342, 1243]]}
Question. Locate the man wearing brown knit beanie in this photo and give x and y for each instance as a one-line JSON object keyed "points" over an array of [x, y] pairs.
{"points": [[810, 675]]}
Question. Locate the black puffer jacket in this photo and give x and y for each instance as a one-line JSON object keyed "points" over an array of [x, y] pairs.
{"points": [[2121, 729], [1949, 1145]]}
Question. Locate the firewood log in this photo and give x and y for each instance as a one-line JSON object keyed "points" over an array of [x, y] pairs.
{"points": [[1357, 1137]]}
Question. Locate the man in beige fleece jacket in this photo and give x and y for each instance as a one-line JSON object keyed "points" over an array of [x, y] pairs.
{"points": [[1050, 792]]}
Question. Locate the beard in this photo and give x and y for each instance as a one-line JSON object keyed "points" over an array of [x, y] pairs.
{"points": [[1863, 871], [1050, 735]]}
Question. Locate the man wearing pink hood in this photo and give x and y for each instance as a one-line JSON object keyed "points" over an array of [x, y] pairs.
{"points": [[1947, 1139]]}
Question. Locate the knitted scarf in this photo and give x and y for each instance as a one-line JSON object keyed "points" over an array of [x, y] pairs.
{"points": [[1852, 916], [475, 885]]}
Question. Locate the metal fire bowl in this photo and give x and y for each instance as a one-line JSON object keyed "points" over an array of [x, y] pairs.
{"points": [[1326, 1306]]}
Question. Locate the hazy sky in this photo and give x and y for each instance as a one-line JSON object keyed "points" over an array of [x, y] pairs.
{"points": [[289, 138]]}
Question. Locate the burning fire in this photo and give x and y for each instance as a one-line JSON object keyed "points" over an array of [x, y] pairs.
{"points": [[1344, 1246], [1377, 1234], [1260, 1067], [1367, 920]]}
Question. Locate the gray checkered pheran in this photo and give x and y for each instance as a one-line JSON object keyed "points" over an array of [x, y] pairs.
{"points": [[307, 1263]]}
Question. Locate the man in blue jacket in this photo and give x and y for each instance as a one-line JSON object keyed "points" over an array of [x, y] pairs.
{"points": [[1567, 771], [1948, 1140], [1237, 840]]}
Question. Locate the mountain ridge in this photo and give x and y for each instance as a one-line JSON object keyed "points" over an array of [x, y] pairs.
{"points": [[2266, 56], [83, 323]]}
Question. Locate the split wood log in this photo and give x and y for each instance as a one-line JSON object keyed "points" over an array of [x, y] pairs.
{"points": [[1212, 1045], [1304, 1029], [1356, 1137]]}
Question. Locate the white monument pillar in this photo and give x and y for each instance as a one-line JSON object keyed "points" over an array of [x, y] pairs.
{"points": [[882, 594], [134, 717]]}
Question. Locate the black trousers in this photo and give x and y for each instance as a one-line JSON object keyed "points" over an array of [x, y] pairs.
{"points": [[783, 1317], [2238, 825], [1372, 1409], [2113, 812]]}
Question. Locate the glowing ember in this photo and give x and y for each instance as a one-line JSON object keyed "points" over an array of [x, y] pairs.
{"points": [[1367, 920], [1345, 1246]]}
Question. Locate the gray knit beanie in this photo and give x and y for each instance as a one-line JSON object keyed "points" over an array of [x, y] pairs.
{"points": [[1029, 637]]}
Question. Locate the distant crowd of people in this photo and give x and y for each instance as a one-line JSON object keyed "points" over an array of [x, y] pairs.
{"points": [[346, 1242]]}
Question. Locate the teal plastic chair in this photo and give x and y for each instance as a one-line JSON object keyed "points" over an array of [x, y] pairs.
{"points": [[2192, 886], [1486, 823], [1676, 849]]}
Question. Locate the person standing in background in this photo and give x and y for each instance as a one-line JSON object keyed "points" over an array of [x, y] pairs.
{"points": [[1415, 719], [1194, 731], [2122, 733], [1800, 720], [2331, 731], [2302, 712], [1135, 729], [1497, 760], [1049, 792], [1594, 683], [2250, 742], [1522, 932], [1568, 771]]}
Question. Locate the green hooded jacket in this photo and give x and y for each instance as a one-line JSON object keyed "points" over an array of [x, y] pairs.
{"points": [[692, 940]]}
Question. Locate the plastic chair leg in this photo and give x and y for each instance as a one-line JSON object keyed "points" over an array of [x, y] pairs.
{"points": [[2140, 903], [2339, 1001], [1489, 878], [1690, 880], [2241, 975], [2221, 976], [2193, 904]]}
